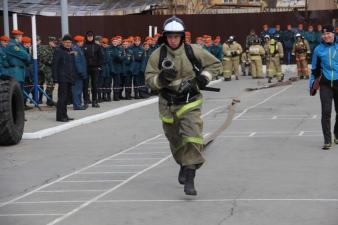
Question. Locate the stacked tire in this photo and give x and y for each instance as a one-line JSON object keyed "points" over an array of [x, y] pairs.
{"points": [[12, 112]]}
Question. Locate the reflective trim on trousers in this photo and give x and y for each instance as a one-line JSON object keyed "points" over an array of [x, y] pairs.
{"points": [[166, 119], [196, 140], [188, 106]]}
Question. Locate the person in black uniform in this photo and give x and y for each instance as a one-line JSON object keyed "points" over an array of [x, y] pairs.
{"points": [[63, 71], [94, 58]]}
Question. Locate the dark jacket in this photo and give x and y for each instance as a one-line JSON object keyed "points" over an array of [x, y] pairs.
{"points": [[139, 54], [80, 63], [93, 54], [127, 58], [116, 66], [63, 65]]}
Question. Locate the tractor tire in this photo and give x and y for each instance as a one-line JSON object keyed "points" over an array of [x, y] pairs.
{"points": [[12, 112]]}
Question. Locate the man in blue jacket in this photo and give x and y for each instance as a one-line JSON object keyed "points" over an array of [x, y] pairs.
{"points": [[288, 38], [81, 73], [138, 73], [17, 57], [325, 65], [126, 56], [64, 73], [116, 68]]}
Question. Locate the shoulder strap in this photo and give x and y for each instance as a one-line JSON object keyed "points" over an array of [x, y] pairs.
{"points": [[196, 64], [163, 54]]}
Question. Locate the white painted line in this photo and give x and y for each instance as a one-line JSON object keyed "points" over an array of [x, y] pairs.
{"points": [[87, 120], [129, 165], [314, 117], [158, 143], [260, 103], [78, 171], [221, 200], [252, 134], [144, 153], [266, 136], [274, 117], [133, 159], [48, 202], [301, 133], [190, 200], [15, 215], [90, 181], [88, 173], [213, 110], [63, 217], [94, 118], [65, 191]]}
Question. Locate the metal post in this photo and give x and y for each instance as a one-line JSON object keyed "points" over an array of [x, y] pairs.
{"points": [[15, 21], [155, 30], [35, 60], [150, 31], [6, 22], [64, 17]]}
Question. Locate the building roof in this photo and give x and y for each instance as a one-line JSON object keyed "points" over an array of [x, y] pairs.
{"points": [[81, 7]]}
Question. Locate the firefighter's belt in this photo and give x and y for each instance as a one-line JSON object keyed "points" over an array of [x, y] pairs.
{"points": [[178, 99]]}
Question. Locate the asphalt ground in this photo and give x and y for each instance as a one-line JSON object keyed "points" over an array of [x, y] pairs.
{"points": [[266, 168]]}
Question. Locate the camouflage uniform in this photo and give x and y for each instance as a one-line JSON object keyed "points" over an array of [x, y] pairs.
{"points": [[45, 57]]}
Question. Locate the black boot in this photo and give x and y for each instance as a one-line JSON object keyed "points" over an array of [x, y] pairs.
{"points": [[136, 95], [50, 101], [116, 96], [108, 97], [95, 105], [189, 186], [99, 98], [40, 97], [181, 175], [128, 96]]}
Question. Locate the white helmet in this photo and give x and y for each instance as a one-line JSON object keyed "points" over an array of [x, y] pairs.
{"points": [[173, 25], [298, 35]]}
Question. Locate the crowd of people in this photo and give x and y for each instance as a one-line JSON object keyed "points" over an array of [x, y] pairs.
{"points": [[113, 69]]}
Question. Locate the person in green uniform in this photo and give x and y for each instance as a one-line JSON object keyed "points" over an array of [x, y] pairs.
{"points": [[170, 72]]}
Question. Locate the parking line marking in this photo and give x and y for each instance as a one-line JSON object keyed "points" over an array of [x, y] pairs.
{"points": [[252, 134], [301, 133], [106, 172], [260, 103], [132, 159], [65, 191], [190, 200], [89, 181], [65, 216], [36, 214], [314, 116], [79, 171], [131, 165], [144, 153], [274, 117]]}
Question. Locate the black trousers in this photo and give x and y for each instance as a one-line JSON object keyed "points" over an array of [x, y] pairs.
{"points": [[93, 74], [126, 84], [116, 83], [327, 94], [64, 91]]}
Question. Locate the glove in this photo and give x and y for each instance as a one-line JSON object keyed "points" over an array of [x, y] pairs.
{"points": [[166, 76], [201, 81], [187, 86]]}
